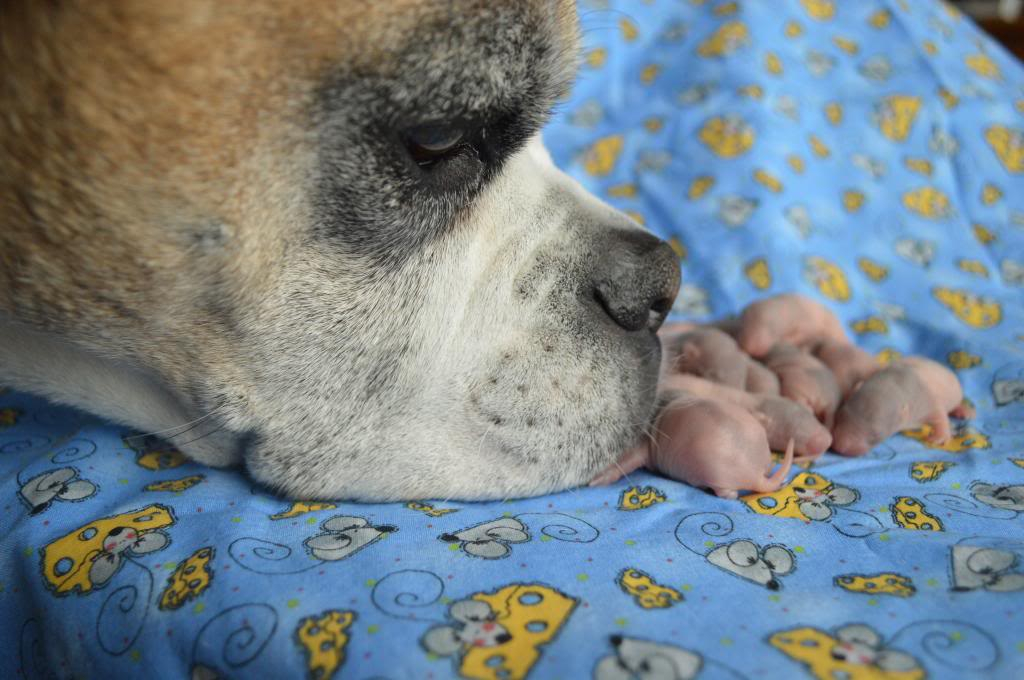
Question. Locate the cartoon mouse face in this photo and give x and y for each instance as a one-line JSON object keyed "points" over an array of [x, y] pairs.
{"points": [[817, 503], [1005, 497], [985, 568], [636, 659], [745, 559], [60, 484], [490, 540], [343, 536], [119, 543], [860, 645], [475, 627]]}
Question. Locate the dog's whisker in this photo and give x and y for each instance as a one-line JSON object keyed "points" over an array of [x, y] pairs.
{"points": [[190, 425], [195, 439]]}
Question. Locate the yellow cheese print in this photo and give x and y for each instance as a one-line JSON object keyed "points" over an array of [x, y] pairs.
{"points": [[532, 614], [990, 194], [1019, 462], [638, 498], [751, 91], [758, 274], [301, 508], [983, 65], [645, 592], [929, 471], [880, 19], [768, 180], [623, 191], [654, 124], [164, 458], [930, 48], [949, 100], [813, 648], [853, 200], [700, 186], [919, 165], [961, 360], [818, 147], [928, 202], [190, 579], [793, 29], [876, 271], [877, 584], [429, 510], [972, 266], [974, 310], [895, 116], [727, 136], [827, 277], [9, 417], [964, 439], [324, 640], [1008, 145], [728, 38], [67, 560], [821, 10], [599, 160], [596, 57], [796, 163], [984, 235], [727, 8], [628, 29], [678, 247], [773, 64], [870, 324], [175, 484], [909, 513], [649, 73], [887, 355], [834, 113], [847, 45]]}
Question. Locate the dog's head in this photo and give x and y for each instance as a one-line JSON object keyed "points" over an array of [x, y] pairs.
{"points": [[329, 231]]}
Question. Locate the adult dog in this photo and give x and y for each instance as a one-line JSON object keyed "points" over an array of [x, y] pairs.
{"points": [[321, 238]]}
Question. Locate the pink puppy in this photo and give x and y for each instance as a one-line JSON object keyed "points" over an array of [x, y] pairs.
{"points": [[710, 353], [790, 318], [908, 393], [708, 444], [805, 380], [849, 364]]}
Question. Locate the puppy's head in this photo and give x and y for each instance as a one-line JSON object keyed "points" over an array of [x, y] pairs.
{"points": [[330, 230]]}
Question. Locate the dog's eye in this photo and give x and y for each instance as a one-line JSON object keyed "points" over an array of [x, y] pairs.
{"points": [[428, 144]]}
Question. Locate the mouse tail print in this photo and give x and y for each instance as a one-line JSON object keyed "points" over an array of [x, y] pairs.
{"points": [[776, 480]]}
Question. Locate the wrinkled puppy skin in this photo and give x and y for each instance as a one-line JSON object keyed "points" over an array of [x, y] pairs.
{"points": [[783, 420], [850, 365], [790, 319], [908, 393], [708, 444], [805, 380], [709, 353]]}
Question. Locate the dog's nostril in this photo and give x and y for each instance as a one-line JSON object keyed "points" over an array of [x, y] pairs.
{"points": [[636, 280]]}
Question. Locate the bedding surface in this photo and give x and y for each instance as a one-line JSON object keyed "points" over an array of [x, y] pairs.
{"points": [[869, 154]]}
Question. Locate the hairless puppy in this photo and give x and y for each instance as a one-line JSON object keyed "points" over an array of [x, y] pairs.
{"points": [[711, 353], [805, 380], [708, 444], [908, 393], [790, 319], [849, 364]]}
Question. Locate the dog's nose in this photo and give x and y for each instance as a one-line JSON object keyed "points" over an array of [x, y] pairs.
{"points": [[636, 280]]}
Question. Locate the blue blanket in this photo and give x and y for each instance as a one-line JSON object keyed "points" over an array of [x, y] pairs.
{"points": [[869, 154]]}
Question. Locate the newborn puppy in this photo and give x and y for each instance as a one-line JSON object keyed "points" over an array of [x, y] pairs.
{"points": [[850, 365], [908, 393], [712, 353], [805, 380], [790, 319], [782, 419], [710, 444]]}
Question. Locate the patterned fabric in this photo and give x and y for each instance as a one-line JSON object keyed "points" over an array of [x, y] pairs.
{"points": [[868, 153]]}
